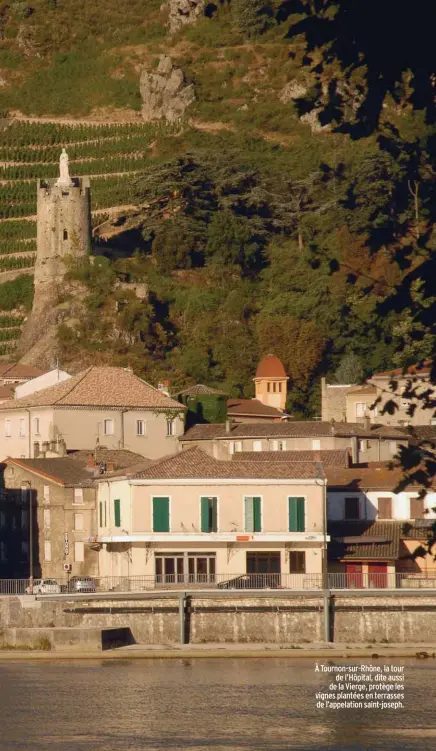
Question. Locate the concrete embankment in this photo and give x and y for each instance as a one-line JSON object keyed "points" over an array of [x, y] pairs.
{"points": [[376, 655], [371, 620]]}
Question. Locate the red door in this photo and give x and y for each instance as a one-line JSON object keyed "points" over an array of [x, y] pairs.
{"points": [[354, 575], [377, 575]]}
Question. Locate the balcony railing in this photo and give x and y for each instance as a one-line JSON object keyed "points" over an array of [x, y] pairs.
{"points": [[120, 584]]}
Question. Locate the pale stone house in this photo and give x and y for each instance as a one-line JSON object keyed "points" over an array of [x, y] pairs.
{"points": [[190, 519], [357, 403], [375, 526], [63, 493], [105, 406], [365, 442]]}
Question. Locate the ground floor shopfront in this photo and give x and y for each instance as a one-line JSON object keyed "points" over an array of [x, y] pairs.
{"points": [[179, 563]]}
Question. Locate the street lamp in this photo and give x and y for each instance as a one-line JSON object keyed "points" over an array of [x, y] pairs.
{"points": [[27, 482]]}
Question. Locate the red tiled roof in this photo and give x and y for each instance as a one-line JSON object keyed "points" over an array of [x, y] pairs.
{"points": [[18, 370], [423, 369], [329, 458], [251, 407], [199, 390], [270, 367], [373, 477], [195, 463], [292, 429], [364, 540], [99, 387]]}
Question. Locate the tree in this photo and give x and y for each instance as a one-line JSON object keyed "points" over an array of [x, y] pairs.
{"points": [[350, 370], [252, 17]]}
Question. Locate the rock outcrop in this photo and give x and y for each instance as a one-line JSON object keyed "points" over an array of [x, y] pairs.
{"points": [[184, 12], [165, 94]]}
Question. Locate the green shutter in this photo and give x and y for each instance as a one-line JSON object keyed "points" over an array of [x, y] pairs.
{"points": [[205, 515], [249, 515], [209, 515], [161, 514], [297, 521], [214, 514], [101, 514], [117, 512], [256, 515]]}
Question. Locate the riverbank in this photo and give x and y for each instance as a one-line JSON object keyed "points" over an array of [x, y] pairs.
{"points": [[210, 651]]}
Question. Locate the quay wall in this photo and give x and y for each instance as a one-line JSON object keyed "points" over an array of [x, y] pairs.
{"points": [[278, 620]]}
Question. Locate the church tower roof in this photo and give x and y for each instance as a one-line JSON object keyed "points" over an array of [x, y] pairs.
{"points": [[270, 367]]}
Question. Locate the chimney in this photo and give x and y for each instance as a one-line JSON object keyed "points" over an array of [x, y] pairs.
{"points": [[164, 387], [45, 448], [90, 462], [62, 447], [228, 426], [366, 422], [36, 449], [354, 451]]}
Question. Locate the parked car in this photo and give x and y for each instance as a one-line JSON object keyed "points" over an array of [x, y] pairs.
{"points": [[252, 581], [82, 584], [44, 587]]}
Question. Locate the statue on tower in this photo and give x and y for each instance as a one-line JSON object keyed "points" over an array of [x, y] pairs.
{"points": [[64, 174]]}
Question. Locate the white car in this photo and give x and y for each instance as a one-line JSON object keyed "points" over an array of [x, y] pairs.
{"points": [[44, 587]]}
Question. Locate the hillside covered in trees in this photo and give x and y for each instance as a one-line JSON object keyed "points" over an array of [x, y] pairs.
{"points": [[290, 210]]}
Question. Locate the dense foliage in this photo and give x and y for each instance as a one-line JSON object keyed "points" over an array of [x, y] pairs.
{"points": [[294, 213]]}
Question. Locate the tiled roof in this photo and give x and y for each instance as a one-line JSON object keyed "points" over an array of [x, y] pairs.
{"points": [[364, 540], [367, 389], [18, 370], [252, 407], [421, 433], [195, 463], [417, 369], [419, 530], [371, 477], [7, 391], [63, 470], [198, 390], [119, 457], [73, 469], [294, 429], [270, 367], [99, 387], [332, 457]]}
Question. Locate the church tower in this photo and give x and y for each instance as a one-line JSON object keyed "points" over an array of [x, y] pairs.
{"points": [[63, 233], [270, 382]]}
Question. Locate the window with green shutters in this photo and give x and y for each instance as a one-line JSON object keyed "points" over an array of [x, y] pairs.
{"points": [[209, 513], [117, 512], [161, 514], [297, 522], [253, 520]]}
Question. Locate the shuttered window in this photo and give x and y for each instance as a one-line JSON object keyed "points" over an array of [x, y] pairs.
{"points": [[385, 508], [117, 512], [253, 520], [161, 514], [209, 509], [297, 522], [417, 508], [297, 562]]}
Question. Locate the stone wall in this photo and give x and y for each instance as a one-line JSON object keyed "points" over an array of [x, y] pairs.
{"points": [[279, 620]]}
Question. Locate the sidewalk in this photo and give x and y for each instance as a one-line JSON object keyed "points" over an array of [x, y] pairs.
{"points": [[209, 651]]}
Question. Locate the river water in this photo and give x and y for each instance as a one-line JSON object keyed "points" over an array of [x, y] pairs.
{"points": [[202, 705]]}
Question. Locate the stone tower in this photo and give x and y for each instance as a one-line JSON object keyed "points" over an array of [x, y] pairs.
{"points": [[63, 233], [63, 224]]}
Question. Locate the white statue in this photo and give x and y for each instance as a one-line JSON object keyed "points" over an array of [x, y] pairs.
{"points": [[64, 174]]}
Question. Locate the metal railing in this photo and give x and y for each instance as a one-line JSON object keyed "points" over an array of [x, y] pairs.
{"points": [[120, 584]]}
